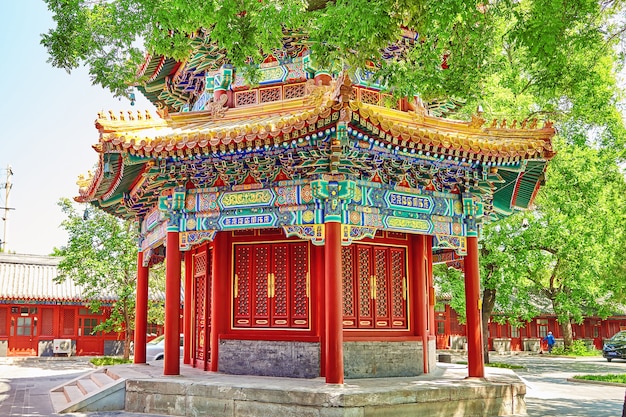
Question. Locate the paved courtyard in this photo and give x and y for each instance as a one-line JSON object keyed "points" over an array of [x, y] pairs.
{"points": [[24, 386]]}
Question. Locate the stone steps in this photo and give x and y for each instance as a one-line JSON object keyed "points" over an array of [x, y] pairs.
{"points": [[95, 391]]}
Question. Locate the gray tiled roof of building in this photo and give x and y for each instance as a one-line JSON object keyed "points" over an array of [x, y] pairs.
{"points": [[31, 277]]}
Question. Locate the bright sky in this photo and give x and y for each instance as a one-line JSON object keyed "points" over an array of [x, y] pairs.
{"points": [[46, 129]]}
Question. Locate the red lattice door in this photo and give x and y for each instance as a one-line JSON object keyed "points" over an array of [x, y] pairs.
{"points": [[271, 285], [202, 309], [374, 283]]}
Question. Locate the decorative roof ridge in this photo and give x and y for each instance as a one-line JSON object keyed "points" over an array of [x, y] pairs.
{"points": [[87, 186], [471, 128], [117, 123], [143, 67], [130, 119], [235, 113]]}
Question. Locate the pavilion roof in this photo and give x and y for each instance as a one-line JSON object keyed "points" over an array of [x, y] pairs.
{"points": [[184, 132], [132, 145]]}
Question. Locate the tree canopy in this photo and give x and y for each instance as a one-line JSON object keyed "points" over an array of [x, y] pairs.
{"points": [[517, 58], [566, 256]]}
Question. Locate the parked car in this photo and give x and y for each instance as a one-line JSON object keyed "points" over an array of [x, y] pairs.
{"points": [[155, 349], [615, 347]]}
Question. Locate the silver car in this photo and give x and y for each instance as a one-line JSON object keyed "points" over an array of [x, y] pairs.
{"points": [[155, 349]]}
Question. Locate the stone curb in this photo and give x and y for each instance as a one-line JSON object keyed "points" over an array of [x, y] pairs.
{"points": [[587, 381]]}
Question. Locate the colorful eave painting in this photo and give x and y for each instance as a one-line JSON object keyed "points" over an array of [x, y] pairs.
{"points": [[295, 152]]}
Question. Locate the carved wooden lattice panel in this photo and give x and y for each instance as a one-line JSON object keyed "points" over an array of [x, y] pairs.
{"points": [[241, 291], [270, 94], [199, 274], [294, 91], [399, 288], [280, 287], [245, 98], [273, 279], [377, 275], [260, 283], [69, 316], [381, 294], [300, 279], [47, 321], [370, 97], [347, 278], [365, 317]]}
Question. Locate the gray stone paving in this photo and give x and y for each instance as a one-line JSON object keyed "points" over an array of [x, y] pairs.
{"points": [[24, 386]]}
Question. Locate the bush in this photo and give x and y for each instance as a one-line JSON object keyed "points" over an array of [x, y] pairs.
{"points": [[108, 361], [578, 348], [619, 378]]}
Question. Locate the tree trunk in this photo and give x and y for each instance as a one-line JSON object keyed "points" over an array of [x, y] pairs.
{"points": [[128, 337], [489, 302], [128, 332], [566, 332]]}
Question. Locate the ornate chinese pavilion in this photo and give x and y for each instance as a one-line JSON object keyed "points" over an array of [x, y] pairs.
{"points": [[307, 210]]}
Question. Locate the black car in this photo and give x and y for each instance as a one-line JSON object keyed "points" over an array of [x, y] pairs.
{"points": [[615, 347]]}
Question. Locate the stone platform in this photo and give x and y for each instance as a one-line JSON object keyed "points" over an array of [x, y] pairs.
{"points": [[444, 392]]}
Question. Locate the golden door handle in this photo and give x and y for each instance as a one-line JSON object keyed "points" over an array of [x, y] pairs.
{"points": [[404, 286], [273, 285], [236, 286], [269, 285], [373, 287], [308, 285], [375, 284]]}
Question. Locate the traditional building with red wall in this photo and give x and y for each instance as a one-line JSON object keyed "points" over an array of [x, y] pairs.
{"points": [[529, 337], [40, 317]]}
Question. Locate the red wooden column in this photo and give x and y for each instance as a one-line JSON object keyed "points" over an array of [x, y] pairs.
{"points": [[475, 357], [318, 308], [333, 343], [171, 363], [432, 299], [220, 294], [187, 342], [420, 282], [141, 310]]}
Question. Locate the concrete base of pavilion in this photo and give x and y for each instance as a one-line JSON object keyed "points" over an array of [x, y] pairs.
{"points": [[444, 392]]}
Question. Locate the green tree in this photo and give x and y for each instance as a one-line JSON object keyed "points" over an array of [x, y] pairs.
{"points": [[506, 295], [517, 58], [101, 257], [577, 236], [569, 251]]}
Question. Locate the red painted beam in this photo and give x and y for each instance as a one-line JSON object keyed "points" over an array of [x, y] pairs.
{"points": [[171, 362]]}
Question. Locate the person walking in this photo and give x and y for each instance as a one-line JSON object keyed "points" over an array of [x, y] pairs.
{"points": [[550, 340]]}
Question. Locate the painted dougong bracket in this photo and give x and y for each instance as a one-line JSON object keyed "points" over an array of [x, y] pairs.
{"points": [[316, 233]]}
